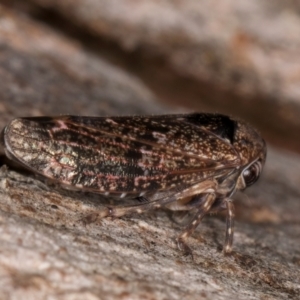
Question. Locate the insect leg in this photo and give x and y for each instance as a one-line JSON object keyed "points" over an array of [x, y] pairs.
{"points": [[229, 226], [202, 211], [203, 187], [120, 211]]}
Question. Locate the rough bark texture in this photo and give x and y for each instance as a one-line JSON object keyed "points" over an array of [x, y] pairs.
{"points": [[48, 249]]}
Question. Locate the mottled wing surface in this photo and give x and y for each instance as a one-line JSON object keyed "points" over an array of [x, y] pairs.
{"points": [[133, 155]]}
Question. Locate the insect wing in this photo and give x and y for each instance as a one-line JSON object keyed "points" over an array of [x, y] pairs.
{"points": [[124, 154]]}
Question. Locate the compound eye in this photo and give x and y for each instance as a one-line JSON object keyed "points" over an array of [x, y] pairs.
{"points": [[251, 174]]}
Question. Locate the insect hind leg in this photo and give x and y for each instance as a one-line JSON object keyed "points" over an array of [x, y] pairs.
{"points": [[146, 205], [165, 199]]}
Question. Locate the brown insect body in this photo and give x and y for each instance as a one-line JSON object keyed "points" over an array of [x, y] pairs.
{"points": [[181, 162]]}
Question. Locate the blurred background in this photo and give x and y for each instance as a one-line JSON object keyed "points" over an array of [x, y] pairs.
{"points": [[113, 57], [95, 57]]}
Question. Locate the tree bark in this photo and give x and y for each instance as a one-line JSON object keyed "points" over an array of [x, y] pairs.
{"points": [[48, 249]]}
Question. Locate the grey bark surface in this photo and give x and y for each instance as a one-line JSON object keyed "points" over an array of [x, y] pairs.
{"points": [[49, 250]]}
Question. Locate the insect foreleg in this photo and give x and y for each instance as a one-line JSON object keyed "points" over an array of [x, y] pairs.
{"points": [[229, 226]]}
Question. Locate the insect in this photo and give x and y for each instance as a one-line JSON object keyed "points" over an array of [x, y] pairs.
{"points": [[187, 162]]}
